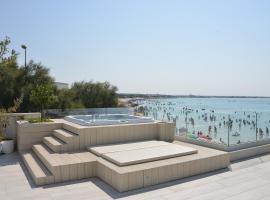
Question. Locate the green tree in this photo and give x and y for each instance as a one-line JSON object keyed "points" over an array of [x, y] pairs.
{"points": [[95, 95], [5, 53], [65, 100], [42, 96], [18, 81], [8, 75], [34, 74]]}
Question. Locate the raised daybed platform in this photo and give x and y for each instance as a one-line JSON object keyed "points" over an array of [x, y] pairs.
{"points": [[141, 152], [151, 173]]}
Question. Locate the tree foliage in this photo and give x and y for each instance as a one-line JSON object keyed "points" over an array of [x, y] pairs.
{"points": [[4, 116], [42, 96], [5, 53], [33, 81], [95, 95], [8, 75], [35, 74]]}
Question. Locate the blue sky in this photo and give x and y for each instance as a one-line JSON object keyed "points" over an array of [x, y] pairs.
{"points": [[148, 46]]}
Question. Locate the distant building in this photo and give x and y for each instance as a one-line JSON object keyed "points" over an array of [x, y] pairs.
{"points": [[61, 86]]}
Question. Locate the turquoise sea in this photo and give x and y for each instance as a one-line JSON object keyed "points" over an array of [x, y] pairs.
{"points": [[229, 120]]}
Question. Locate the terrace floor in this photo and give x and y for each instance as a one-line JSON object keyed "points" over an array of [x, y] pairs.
{"points": [[249, 179]]}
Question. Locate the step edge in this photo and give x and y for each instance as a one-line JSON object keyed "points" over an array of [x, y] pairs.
{"points": [[46, 172]]}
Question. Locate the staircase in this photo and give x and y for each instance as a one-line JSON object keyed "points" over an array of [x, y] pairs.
{"points": [[62, 155], [53, 162]]}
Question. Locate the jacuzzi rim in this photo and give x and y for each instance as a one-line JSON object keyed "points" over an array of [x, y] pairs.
{"points": [[137, 120]]}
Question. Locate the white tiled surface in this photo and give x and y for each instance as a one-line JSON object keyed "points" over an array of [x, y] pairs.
{"points": [[104, 149], [248, 180], [140, 152], [136, 156]]}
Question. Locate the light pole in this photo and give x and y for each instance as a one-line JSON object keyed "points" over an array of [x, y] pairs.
{"points": [[24, 47], [24, 81]]}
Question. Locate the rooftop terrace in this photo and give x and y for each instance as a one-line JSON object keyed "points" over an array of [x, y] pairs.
{"points": [[249, 179], [127, 161]]}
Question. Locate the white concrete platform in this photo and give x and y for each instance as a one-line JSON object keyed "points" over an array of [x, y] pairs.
{"points": [[104, 149], [141, 152]]}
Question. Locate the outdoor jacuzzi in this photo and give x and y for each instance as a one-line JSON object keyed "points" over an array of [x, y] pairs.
{"points": [[107, 119]]}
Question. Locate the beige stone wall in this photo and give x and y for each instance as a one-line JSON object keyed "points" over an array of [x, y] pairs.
{"points": [[99, 135], [10, 131], [29, 134], [159, 172], [166, 131]]}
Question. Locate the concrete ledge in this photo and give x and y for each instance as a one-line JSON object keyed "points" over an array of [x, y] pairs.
{"points": [[236, 152], [249, 152]]}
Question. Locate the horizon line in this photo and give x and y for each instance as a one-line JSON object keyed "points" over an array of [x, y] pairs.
{"points": [[192, 96]]}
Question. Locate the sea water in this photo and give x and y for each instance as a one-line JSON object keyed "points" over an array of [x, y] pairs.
{"points": [[230, 120]]}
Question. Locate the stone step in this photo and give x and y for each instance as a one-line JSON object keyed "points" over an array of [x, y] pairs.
{"points": [[39, 173], [67, 166], [68, 137], [53, 162], [55, 144], [46, 156], [71, 127]]}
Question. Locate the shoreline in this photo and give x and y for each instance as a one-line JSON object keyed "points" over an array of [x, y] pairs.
{"points": [[148, 96]]}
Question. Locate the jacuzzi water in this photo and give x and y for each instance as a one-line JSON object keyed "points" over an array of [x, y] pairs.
{"points": [[107, 119]]}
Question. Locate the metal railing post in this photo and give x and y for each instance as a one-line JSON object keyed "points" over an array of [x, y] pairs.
{"points": [[256, 126], [228, 135]]}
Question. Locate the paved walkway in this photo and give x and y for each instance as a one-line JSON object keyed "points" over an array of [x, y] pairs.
{"points": [[246, 180]]}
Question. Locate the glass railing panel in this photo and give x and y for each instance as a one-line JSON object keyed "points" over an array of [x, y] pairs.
{"points": [[231, 126], [58, 113], [263, 125]]}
